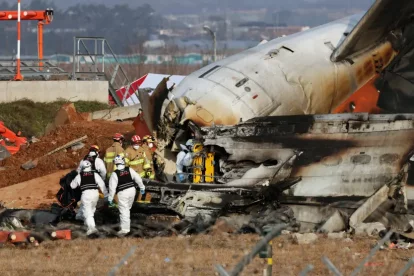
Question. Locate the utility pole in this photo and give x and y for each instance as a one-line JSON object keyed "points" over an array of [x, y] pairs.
{"points": [[213, 35], [18, 75]]}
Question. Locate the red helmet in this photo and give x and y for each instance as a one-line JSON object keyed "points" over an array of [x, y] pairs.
{"points": [[136, 139], [118, 137], [94, 148]]}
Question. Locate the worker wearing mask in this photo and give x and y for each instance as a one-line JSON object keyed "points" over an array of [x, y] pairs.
{"points": [[184, 160], [148, 145], [112, 151], [98, 164], [124, 183], [89, 183], [135, 157]]}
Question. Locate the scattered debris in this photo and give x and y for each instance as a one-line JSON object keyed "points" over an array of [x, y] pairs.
{"points": [[4, 153], [370, 229], [77, 146], [335, 223], [33, 163], [34, 140], [306, 238], [339, 235]]}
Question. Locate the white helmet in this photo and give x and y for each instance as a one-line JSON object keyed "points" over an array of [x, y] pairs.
{"points": [[190, 143], [86, 166], [119, 160]]}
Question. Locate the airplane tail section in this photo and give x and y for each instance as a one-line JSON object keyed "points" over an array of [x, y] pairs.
{"points": [[384, 20]]}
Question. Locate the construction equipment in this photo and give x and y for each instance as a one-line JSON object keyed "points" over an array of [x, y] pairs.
{"points": [[10, 142]]}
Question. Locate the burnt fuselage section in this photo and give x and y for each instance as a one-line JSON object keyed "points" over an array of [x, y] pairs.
{"points": [[330, 156]]}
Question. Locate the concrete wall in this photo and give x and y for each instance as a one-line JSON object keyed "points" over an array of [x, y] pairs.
{"points": [[118, 113], [49, 91]]}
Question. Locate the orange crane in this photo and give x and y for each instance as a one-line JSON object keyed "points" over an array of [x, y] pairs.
{"points": [[43, 17], [8, 137]]}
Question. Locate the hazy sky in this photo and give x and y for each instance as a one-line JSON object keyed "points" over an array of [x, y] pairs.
{"points": [[165, 6]]}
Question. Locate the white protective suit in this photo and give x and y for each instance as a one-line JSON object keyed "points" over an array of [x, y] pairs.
{"points": [[99, 166], [89, 199], [184, 159], [101, 170], [125, 197]]}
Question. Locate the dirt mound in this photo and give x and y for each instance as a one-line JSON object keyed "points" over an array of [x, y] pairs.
{"points": [[66, 115], [98, 132]]}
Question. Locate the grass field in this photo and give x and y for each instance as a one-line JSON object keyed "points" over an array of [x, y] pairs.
{"points": [[194, 255], [31, 118]]}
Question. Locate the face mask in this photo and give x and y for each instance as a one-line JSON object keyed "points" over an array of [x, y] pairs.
{"points": [[150, 145], [135, 146], [92, 153]]}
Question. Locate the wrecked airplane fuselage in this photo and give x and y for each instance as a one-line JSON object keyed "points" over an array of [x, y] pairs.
{"points": [[317, 164], [335, 155]]}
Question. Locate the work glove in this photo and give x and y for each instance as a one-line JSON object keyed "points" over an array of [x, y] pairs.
{"points": [[142, 191], [111, 204], [181, 177]]}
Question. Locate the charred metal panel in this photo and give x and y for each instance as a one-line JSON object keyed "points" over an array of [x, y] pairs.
{"points": [[396, 83], [340, 155]]}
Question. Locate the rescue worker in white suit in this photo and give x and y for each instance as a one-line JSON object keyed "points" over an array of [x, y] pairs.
{"points": [[184, 159], [123, 182], [89, 182], [98, 165]]}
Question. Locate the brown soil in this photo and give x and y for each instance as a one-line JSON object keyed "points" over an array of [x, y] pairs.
{"points": [[98, 132], [195, 255], [37, 193]]}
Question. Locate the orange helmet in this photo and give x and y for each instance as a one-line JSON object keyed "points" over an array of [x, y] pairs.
{"points": [[149, 139], [136, 139], [94, 148], [118, 137]]}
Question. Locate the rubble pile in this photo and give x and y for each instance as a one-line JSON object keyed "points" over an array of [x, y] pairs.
{"points": [[98, 132]]}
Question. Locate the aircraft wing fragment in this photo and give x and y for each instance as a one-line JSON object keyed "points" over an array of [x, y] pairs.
{"points": [[152, 104], [379, 22]]}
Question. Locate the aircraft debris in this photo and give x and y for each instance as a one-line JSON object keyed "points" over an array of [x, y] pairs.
{"points": [[77, 146], [370, 229], [306, 238], [334, 223], [338, 235]]}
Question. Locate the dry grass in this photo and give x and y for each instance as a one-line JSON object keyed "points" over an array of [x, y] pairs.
{"points": [[193, 256], [31, 118]]}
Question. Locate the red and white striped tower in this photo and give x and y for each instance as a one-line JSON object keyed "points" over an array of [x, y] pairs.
{"points": [[18, 76]]}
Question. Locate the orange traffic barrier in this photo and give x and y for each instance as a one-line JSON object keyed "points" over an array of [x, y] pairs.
{"points": [[61, 234], [16, 237], [4, 236]]}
